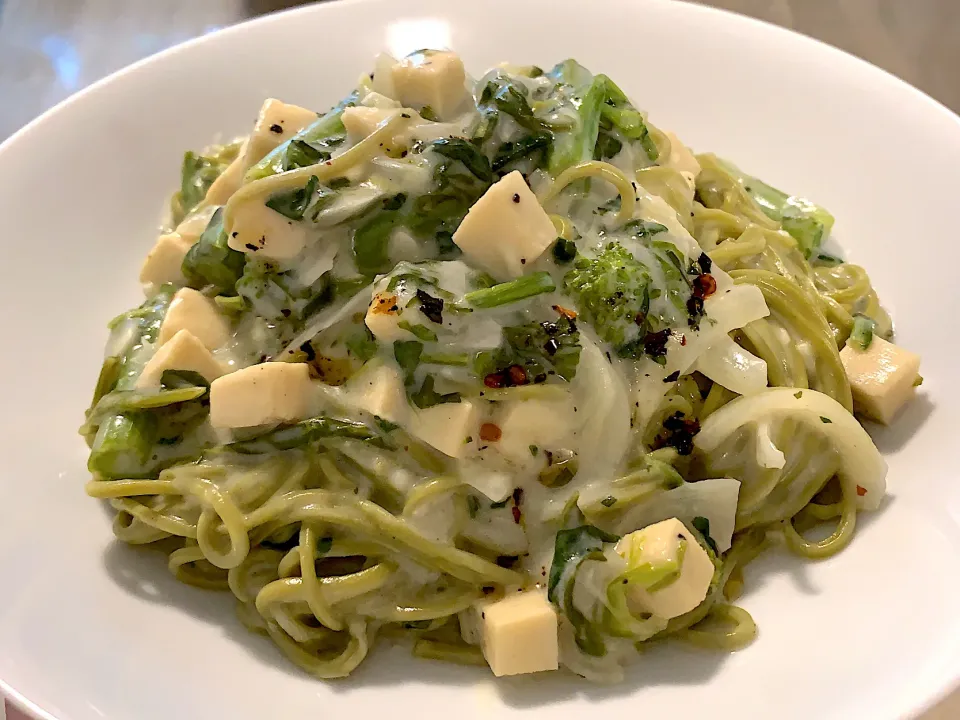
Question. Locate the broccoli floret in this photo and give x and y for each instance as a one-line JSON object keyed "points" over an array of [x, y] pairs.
{"points": [[612, 291]]}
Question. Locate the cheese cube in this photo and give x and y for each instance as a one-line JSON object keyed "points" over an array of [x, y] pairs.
{"points": [[271, 392], [679, 568], [520, 634], [883, 378], [266, 233], [506, 230], [190, 310], [379, 391], [164, 260], [278, 122], [680, 157], [544, 423], [431, 77], [446, 426], [182, 352], [361, 121], [384, 315]]}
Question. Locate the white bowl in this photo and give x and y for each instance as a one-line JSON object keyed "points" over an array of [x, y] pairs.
{"points": [[91, 630]]}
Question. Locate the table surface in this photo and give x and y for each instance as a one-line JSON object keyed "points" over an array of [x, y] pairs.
{"points": [[49, 49]]}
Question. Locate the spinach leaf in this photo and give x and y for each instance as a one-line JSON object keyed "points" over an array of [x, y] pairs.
{"points": [[211, 262]]}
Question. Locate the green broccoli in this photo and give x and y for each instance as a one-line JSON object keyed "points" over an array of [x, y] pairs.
{"points": [[612, 291]]}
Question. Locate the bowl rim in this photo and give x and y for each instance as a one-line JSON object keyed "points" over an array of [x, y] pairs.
{"points": [[892, 83]]}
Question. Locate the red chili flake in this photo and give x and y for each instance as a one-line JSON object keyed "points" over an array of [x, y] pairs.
{"points": [[683, 339], [640, 318], [516, 514], [495, 380], [568, 314], [861, 491], [704, 285], [490, 432], [518, 376]]}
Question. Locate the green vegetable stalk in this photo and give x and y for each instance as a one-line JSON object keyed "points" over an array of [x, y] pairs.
{"points": [[124, 441], [510, 292], [576, 144], [211, 262]]}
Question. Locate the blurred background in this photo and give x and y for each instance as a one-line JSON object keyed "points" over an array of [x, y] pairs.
{"points": [[49, 49]]}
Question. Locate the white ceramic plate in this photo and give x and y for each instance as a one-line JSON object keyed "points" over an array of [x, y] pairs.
{"points": [[91, 630]]}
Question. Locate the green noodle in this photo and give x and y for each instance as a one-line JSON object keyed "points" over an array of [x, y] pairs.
{"points": [[329, 541]]}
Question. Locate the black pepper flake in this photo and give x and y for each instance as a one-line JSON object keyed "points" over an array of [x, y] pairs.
{"points": [[403, 153], [516, 197], [706, 264], [672, 377], [551, 346], [405, 115], [655, 343], [507, 561], [276, 129], [308, 349], [285, 312], [251, 247], [523, 261], [678, 432], [234, 234], [430, 306]]}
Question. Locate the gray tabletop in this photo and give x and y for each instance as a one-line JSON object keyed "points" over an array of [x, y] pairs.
{"points": [[52, 48]]}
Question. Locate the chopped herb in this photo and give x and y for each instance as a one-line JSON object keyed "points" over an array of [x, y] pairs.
{"points": [[608, 501], [294, 204], [825, 420], [702, 526], [534, 450], [473, 505], [422, 332], [427, 397], [564, 251], [323, 545], [798, 394]]}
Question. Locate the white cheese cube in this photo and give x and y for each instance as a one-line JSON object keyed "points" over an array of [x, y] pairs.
{"points": [[271, 392], [190, 310], [681, 158], [431, 78], [163, 262], [446, 426], [544, 423], [278, 122], [182, 352], [379, 391], [506, 230], [883, 378], [385, 314], [266, 233], [361, 121], [520, 634], [682, 568]]}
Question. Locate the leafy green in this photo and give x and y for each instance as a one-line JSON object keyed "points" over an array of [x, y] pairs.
{"points": [[564, 251], [538, 348], [808, 223], [618, 112], [527, 147], [702, 526], [211, 262], [197, 174], [294, 204], [461, 175], [315, 143], [371, 241], [407, 354], [571, 548], [362, 344], [277, 296], [427, 397], [421, 332], [861, 336]]}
